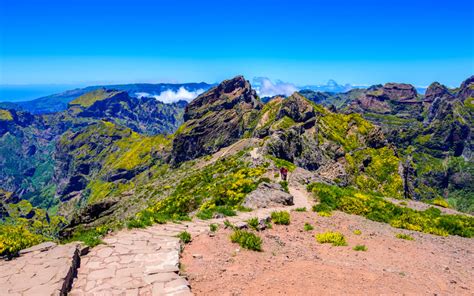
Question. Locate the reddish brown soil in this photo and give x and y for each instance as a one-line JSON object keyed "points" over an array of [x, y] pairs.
{"points": [[293, 263]]}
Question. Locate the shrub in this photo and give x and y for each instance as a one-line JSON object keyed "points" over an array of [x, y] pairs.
{"points": [[146, 218], [284, 185], [334, 238], [185, 236], [247, 240], [207, 214], [308, 227], [300, 209], [213, 227], [14, 238], [440, 202], [325, 214], [378, 209], [228, 224], [253, 223], [357, 232], [281, 217], [360, 248], [404, 236]]}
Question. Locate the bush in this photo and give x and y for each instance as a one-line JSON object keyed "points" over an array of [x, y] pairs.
{"points": [[228, 224], [284, 185], [247, 240], [404, 236], [213, 227], [360, 248], [185, 236], [378, 209], [357, 232], [334, 238], [281, 218], [308, 227], [14, 238], [300, 209], [207, 214], [440, 202], [253, 223]]}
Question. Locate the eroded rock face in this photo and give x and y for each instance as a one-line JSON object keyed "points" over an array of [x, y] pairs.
{"points": [[216, 119], [392, 98], [268, 195]]}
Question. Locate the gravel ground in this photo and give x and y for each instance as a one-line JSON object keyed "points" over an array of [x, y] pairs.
{"points": [[293, 263]]}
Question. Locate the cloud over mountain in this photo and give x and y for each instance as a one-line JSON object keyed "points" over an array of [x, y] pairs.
{"points": [[266, 88], [170, 96]]}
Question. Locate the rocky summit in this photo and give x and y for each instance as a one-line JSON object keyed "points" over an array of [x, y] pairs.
{"points": [[105, 194]]}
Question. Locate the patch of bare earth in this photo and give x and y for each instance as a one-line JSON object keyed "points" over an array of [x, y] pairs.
{"points": [[293, 263]]}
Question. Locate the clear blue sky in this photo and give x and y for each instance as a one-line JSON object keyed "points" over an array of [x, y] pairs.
{"points": [[303, 42]]}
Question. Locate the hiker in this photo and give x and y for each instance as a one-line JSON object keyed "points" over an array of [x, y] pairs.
{"points": [[283, 173]]}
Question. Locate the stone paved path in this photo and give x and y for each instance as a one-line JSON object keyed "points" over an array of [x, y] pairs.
{"points": [[146, 261], [45, 269]]}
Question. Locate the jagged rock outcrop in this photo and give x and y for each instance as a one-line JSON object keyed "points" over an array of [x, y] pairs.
{"points": [[215, 119], [392, 98]]}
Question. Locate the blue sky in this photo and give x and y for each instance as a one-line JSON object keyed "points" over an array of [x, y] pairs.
{"points": [[304, 42]]}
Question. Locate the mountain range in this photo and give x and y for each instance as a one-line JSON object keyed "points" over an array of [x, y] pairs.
{"points": [[110, 156], [59, 102]]}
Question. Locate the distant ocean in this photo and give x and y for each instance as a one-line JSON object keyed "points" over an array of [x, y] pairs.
{"points": [[17, 93]]}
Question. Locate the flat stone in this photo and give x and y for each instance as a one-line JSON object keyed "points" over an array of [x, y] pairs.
{"points": [[101, 274], [39, 248], [160, 277], [104, 253]]}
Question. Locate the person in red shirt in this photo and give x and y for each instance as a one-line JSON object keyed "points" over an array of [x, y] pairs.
{"points": [[283, 173]]}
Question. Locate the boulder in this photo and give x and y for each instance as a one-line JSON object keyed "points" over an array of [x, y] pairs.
{"points": [[268, 195]]}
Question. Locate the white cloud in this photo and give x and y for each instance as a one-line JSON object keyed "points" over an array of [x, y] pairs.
{"points": [[170, 96], [266, 88], [142, 94]]}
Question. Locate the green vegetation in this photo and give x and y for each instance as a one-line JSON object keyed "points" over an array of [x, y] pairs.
{"points": [[88, 99], [284, 185], [207, 214], [404, 236], [279, 163], [185, 237], [334, 238], [253, 223], [284, 123], [247, 240], [213, 227], [135, 151], [13, 238], [440, 202], [221, 185], [308, 227], [18, 232], [360, 248], [300, 209], [5, 115], [343, 129], [380, 173], [357, 232], [91, 237], [281, 217], [376, 208]]}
